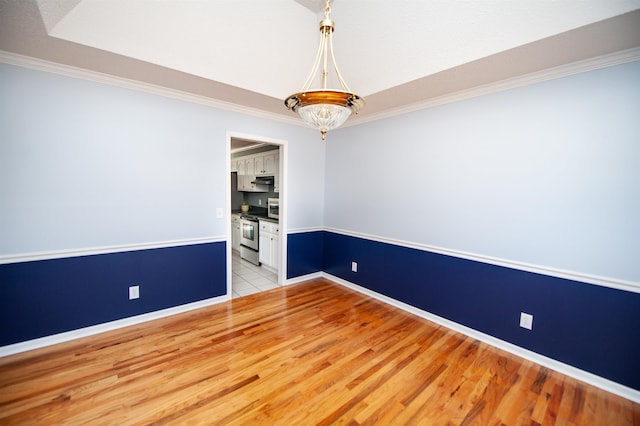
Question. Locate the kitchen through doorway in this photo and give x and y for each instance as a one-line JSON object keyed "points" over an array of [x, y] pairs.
{"points": [[256, 253]]}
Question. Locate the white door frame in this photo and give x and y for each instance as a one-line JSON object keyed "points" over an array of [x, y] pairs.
{"points": [[282, 220]]}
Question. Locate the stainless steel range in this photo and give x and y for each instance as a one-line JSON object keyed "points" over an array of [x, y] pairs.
{"points": [[249, 239]]}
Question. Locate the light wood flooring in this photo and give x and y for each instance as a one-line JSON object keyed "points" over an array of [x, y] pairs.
{"points": [[311, 353]]}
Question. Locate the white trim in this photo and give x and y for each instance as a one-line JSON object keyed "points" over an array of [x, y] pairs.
{"points": [[283, 212], [248, 148], [568, 370], [283, 170], [544, 270], [612, 59], [98, 77], [301, 278], [60, 254], [303, 230], [228, 225], [107, 326], [255, 138]]}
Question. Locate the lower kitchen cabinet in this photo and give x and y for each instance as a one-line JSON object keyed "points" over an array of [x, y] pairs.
{"points": [[269, 244], [235, 232]]}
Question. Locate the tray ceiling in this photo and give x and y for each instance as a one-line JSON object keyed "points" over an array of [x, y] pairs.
{"points": [[255, 53]]}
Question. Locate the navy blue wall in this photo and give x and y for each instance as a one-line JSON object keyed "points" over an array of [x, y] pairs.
{"points": [[590, 327], [46, 297], [304, 253]]}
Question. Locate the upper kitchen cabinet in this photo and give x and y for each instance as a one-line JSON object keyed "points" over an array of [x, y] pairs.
{"points": [[247, 175], [250, 166], [238, 164], [267, 164]]}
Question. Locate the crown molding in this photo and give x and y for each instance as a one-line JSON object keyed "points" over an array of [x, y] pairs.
{"points": [[94, 76], [604, 61], [617, 58]]}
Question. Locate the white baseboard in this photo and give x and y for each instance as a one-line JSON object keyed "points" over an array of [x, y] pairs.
{"points": [[576, 373], [108, 326], [568, 370], [302, 278]]}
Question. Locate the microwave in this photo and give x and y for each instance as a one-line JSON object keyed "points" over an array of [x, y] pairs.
{"points": [[273, 208]]}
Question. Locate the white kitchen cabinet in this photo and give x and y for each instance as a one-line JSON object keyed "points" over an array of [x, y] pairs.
{"points": [[246, 174], [259, 165], [248, 167], [235, 231], [265, 249], [267, 164], [269, 244], [244, 183], [240, 167]]}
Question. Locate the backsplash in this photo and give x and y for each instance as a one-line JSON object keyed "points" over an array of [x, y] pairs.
{"points": [[252, 198], [260, 198]]}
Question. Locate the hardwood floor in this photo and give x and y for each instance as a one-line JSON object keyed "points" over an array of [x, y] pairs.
{"points": [[312, 353]]}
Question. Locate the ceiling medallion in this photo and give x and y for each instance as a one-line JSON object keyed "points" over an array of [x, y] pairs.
{"points": [[324, 109]]}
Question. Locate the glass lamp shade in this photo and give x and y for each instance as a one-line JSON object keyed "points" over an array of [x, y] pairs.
{"points": [[324, 117], [324, 109]]}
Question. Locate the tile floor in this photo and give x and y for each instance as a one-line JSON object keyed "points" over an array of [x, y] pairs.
{"points": [[248, 278]]}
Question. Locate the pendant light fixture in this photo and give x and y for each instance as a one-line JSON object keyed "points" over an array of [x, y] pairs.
{"points": [[324, 109]]}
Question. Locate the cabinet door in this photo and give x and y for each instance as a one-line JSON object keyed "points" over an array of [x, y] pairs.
{"points": [[241, 168], [242, 182], [258, 163], [250, 166], [265, 249], [275, 251], [235, 233], [269, 164], [266, 165], [248, 186]]}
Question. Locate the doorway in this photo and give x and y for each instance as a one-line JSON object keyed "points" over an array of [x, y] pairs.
{"points": [[248, 157]]}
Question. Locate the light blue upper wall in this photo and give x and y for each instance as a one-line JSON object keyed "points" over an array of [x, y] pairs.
{"points": [[546, 174], [86, 165]]}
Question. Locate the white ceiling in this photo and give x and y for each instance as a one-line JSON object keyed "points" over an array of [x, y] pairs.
{"points": [[257, 52]]}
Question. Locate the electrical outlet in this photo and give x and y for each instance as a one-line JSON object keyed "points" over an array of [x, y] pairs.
{"points": [[354, 266], [134, 292], [526, 321], [259, 202]]}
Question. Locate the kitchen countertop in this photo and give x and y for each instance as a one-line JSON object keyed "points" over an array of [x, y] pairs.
{"points": [[258, 215], [269, 219]]}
